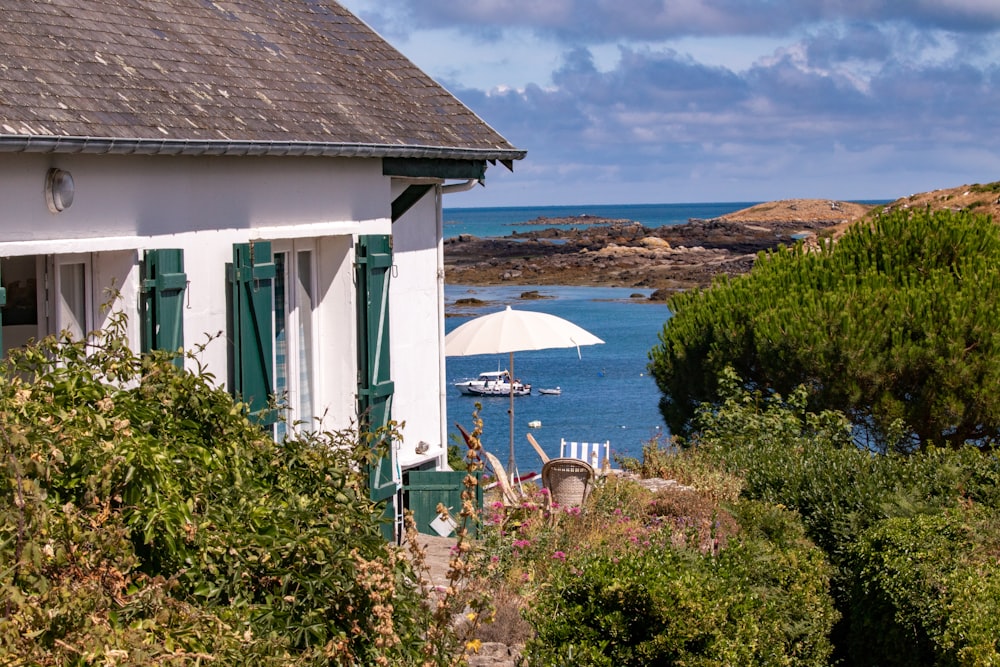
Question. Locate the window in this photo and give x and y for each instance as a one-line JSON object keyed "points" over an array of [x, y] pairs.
{"points": [[294, 332], [46, 294], [72, 302]]}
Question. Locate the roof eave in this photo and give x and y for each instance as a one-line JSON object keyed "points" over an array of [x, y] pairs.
{"points": [[200, 147]]}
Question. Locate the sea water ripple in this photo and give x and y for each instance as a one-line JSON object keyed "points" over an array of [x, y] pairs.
{"points": [[607, 391]]}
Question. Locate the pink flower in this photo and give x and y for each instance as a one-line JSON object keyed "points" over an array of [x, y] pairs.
{"points": [[522, 544], [559, 555]]}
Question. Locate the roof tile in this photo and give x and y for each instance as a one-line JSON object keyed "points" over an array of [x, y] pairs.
{"points": [[248, 70]]}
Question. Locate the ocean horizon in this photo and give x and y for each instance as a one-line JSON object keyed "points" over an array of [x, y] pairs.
{"points": [[498, 221], [504, 220]]}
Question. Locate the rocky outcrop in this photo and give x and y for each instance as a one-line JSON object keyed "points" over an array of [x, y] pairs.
{"points": [[628, 254]]}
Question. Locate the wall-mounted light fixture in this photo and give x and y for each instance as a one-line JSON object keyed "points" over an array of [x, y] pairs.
{"points": [[422, 447], [59, 190]]}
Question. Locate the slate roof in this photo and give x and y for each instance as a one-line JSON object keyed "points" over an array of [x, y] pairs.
{"points": [[221, 77]]}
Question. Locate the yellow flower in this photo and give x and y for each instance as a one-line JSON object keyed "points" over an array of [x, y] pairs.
{"points": [[473, 645]]}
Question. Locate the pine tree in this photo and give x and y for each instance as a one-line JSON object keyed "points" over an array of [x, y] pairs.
{"points": [[897, 325]]}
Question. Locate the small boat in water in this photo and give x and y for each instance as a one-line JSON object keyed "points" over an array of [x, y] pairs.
{"points": [[493, 383], [551, 392]]}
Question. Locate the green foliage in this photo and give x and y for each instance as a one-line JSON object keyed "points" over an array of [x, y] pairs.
{"points": [[928, 589], [144, 519], [993, 187], [894, 325], [908, 535], [762, 600]]}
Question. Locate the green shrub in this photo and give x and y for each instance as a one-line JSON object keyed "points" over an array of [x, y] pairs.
{"points": [[928, 590], [854, 504], [761, 600], [144, 519]]}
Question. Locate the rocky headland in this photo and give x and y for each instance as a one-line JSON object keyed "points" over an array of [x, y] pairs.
{"points": [[624, 253]]}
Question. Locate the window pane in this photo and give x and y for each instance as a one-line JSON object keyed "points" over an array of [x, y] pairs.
{"points": [[280, 338], [304, 309], [72, 300]]}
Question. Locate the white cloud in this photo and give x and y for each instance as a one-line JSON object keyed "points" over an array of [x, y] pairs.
{"points": [[622, 101]]}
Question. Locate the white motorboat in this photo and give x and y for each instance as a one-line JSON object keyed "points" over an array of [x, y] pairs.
{"points": [[552, 392], [493, 383]]}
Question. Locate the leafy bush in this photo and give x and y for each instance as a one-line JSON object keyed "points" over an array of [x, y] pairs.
{"points": [[144, 519], [762, 600], [894, 325], [928, 590], [640, 577], [901, 587]]}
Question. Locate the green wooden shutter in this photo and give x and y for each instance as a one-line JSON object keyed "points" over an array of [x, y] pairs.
{"points": [[251, 278], [163, 285], [375, 387]]}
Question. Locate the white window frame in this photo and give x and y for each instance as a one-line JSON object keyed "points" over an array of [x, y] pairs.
{"points": [[55, 314], [293, 313]]}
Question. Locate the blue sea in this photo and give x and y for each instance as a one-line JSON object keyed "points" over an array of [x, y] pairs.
{"points": [[607, 391], [503, 221]]}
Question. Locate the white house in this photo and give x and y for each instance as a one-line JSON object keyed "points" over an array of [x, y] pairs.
{"points": [[273, 171]]}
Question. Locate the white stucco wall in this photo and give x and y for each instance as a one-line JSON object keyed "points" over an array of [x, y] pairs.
{"points": [[155, 196], [417, 329], [124, 205]]}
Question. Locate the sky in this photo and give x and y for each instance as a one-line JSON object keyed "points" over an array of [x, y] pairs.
{"points": [[678, 101]]}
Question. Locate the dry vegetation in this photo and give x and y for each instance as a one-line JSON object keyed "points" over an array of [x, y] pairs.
{"points": [[976, 198]]}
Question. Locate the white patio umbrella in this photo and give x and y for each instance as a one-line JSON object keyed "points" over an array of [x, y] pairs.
{"points": [[513, 331]]}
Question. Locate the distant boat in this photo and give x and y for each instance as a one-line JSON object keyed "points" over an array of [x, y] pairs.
{"points": [[493, 383], [535, 423], [551, 392]]}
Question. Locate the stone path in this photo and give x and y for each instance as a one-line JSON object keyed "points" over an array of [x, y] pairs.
{"points": [[438, 550]]}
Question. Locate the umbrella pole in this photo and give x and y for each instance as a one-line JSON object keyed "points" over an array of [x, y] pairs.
{"points": [[510, 463]]}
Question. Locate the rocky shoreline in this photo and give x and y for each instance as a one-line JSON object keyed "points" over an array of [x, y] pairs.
{"points": [[621, 253]]}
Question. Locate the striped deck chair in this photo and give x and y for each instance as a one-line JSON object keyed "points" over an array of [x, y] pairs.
{"points": [[597, 454]]}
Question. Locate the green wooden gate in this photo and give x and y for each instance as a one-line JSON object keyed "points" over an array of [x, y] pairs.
{"points": [[423, 490]]}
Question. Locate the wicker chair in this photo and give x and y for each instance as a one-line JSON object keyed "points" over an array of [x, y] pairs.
{"points": [[568, 480]]}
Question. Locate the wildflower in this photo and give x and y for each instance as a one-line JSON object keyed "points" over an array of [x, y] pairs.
{"points": [[473, 645], [522, 544], [559, 555]]}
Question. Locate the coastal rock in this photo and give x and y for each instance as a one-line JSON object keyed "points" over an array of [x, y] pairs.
{"points": [[624, 253]]}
